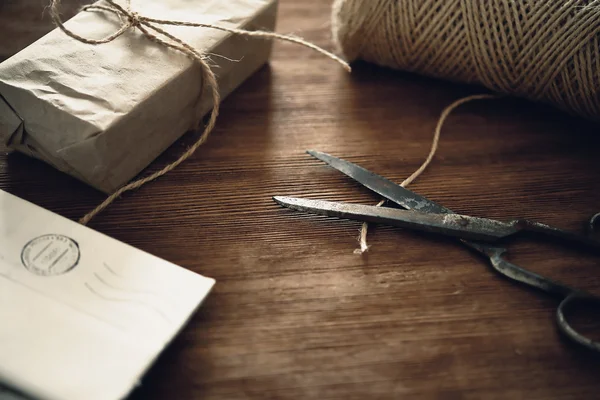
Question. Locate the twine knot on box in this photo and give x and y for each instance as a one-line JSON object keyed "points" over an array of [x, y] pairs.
{"points": [[135, 19]]}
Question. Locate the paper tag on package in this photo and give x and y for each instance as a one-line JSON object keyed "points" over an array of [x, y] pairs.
{"points": [[83, 315], [103, 113]]}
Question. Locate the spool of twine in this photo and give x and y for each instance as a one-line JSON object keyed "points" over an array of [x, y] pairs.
{"points": [[542, 50]]}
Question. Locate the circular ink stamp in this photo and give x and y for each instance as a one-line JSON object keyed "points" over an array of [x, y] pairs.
{"points": [[50, 255]]}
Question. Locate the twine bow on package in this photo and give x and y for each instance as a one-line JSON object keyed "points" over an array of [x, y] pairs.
{"points": [[102, 113]]}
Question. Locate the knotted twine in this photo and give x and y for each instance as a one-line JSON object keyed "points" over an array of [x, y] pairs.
{"points": [[151, 30]]}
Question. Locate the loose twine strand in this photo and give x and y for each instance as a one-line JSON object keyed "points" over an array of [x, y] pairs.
{"points": [[148, 26], [362, 239]]}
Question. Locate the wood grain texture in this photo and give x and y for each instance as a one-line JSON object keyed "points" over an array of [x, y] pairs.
{"points": [[295, 314]]}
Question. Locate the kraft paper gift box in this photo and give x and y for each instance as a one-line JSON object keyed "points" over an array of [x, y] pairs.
{"points": [[102, 113]]}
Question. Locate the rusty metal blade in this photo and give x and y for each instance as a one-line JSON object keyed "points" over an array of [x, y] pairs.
{"points": [[455, 225], [380, 185]]}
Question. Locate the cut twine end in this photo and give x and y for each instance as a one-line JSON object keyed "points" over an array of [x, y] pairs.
{"points": [[362, 238]]}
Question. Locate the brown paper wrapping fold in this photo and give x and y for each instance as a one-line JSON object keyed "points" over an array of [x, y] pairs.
{"points": [[104, 113]]}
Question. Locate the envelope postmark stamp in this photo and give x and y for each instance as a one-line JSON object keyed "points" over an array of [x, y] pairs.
{"points": [[50, 255]]}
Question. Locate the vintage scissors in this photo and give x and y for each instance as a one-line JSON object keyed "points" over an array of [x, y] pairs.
{"points": [[476, 233]]}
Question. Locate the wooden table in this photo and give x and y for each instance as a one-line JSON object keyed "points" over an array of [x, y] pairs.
{"points": [[295, 314]]}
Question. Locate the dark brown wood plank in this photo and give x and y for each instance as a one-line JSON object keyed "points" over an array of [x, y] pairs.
{"points": [[295, 314]]}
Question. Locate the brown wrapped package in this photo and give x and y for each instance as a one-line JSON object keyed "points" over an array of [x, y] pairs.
{"points": [[104, 113]]}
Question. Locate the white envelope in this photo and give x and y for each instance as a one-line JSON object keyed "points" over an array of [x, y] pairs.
{"points": [[82, 316]]}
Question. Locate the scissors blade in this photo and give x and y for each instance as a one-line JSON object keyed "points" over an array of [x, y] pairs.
{"points": [[399, 195], [461, 226], [380, 185]]}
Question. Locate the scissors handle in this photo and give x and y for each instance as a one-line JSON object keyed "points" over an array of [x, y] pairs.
{"points": [[572, 302], [588, 241], [519, 274], [593, 227], [572, 299]]}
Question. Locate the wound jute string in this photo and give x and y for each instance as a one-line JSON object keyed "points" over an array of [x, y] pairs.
{"points": [[543, 50], [151, 28]]}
